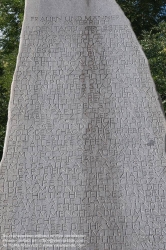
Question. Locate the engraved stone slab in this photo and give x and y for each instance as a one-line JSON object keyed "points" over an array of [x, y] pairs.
{"points": [[84, 157]]}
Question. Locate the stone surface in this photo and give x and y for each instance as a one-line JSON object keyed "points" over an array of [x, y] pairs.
{"points": [[84, 154]]}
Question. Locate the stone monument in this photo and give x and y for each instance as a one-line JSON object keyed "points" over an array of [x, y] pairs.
{"points": [[84, 162]]}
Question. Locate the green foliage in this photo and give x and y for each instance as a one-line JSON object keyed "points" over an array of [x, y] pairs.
{"points": [[143, 14], [148, 19], [154, 45], [11, 16], [3, 115]]}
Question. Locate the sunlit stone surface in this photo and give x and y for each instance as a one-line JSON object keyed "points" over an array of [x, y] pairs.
{"points": [[84, 158]]}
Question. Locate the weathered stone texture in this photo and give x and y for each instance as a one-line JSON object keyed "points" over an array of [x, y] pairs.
{"points": [[85, 144]]}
